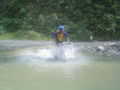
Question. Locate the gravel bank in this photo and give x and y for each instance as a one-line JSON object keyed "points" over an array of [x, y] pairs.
{"points": [[107, 47]]}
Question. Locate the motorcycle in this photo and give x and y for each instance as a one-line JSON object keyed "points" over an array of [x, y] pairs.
{"points": [[63, 50]]}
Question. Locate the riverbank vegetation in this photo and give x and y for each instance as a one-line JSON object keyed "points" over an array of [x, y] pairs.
{"points": [[23, 35], [36, 19]]}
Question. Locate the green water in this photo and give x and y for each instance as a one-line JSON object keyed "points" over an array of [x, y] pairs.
{"points": [[88, 71]]}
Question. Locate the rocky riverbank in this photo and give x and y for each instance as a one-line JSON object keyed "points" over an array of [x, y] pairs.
{"points": [[106, 47]]}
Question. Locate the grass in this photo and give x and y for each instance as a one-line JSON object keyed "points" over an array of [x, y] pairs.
{"points": [[7, 36], [23, 35]]}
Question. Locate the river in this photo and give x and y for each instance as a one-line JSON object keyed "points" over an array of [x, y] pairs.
{"points": [[36, 68]]}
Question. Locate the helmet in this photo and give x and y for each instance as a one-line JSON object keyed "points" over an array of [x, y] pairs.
{"points": [[61, 28]]}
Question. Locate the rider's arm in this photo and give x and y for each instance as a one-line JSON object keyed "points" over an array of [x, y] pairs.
{"points": [[66, 37]]}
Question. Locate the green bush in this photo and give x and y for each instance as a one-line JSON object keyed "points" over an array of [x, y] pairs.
{"points": [[11, 24], [100, 18], [2, 31]]}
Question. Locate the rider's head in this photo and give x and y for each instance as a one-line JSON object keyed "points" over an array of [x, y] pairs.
{"points": [[61, 28]]}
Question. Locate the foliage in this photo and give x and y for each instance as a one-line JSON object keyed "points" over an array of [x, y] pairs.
{"points": [[11, 24], [2, 31], [99, 18]]}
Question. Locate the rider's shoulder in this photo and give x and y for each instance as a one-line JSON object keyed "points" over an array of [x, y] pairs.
{"points": [[56, 32]]}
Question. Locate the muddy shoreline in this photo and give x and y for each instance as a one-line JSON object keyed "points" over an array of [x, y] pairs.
{"points": [[107, 47]]}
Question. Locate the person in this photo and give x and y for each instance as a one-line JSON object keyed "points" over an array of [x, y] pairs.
{"points": [[60, 36]]}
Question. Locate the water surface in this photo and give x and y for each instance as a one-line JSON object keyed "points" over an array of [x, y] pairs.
{"points": [[37, 69]]}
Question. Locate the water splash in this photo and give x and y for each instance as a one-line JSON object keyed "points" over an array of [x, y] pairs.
{"points": [[52, 56], [44, 53]]}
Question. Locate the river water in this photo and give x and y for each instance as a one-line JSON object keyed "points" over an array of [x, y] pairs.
{"points": [[39, 68]]}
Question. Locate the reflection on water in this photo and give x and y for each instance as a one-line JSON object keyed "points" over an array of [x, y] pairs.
{"points": [[54, 68]]}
